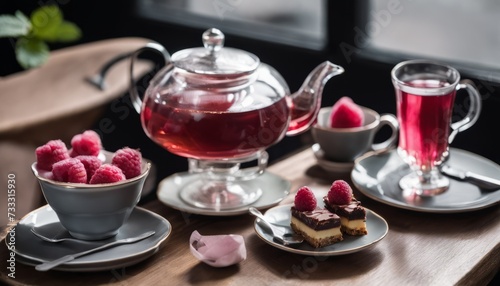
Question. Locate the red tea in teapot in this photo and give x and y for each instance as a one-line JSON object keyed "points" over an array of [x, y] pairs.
{"points": [[210, 128]]}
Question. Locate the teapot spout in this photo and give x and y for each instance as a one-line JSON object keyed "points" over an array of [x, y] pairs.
{"points": [[306, 102]]}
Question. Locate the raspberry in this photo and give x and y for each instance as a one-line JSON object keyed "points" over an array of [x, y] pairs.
{"points": [[129, 161], [107, 173], [69, 170], [77, 174], [305, 200], [86, 143], [346, 114], [91, 163], [340, 193], [50, 153]]}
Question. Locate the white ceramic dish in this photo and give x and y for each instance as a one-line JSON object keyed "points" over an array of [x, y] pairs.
{"points": [[31, 250], [328, 165], [274, 190], [280, 216], [378, 177], [93, 211]]}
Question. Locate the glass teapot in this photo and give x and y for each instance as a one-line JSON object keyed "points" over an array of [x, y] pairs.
{"points": [[221, 107]]}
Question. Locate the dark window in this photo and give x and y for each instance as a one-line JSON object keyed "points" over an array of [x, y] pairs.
{"points": [[291, 22]]}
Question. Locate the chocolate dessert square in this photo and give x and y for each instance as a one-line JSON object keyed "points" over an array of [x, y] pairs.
{"points": [[352, 216], [318, 227]]}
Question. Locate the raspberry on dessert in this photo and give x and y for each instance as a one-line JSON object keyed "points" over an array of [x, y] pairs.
{"points": [[69, 170], [106, 174], [129, 161], [340, 193], [50, 153], [305, 199], [86, 143], [91, 163], [346, 114]]}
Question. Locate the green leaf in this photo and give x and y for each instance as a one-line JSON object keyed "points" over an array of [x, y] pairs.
{"points": [[31, 52], [46, 21], [22, 17], [13, 26], [66, 32]]}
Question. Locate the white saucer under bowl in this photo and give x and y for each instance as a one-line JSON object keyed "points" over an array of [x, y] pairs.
{"points": [[378, 177], [274, 190], [328, 165], [32, 250]]}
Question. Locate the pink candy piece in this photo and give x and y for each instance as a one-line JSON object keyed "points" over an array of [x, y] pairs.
{"points": [[218, 250], [346, 114], [50, 153]]}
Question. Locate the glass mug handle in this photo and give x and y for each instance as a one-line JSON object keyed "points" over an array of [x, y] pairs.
{"points": [[472, 114], [391, 121]]}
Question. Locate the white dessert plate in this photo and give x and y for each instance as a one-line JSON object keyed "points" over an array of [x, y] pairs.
{"points": [[31, 250], [378, 177], [274, 190], [280, 216], [328, 165]]}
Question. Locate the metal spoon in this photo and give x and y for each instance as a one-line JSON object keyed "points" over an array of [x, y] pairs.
{"points": [[51, 264], [480, 180], [287, 239], [56, 236]]}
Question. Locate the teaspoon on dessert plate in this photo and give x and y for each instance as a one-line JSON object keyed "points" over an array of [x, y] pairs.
{"points": [[287, 239]]}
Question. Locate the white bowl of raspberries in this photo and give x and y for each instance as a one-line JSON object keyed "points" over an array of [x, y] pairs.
{"points": [[92, 191]]}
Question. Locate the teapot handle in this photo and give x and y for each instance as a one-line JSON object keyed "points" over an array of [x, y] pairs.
{"points": [[134, 94]]}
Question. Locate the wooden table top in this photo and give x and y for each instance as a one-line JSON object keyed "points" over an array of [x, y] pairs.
{"points": [[419, 249]]}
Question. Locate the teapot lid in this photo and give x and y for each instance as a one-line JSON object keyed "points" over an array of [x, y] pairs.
{"points": [[214, 59]]}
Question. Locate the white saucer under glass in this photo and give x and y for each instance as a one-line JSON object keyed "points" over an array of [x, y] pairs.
{"points": [[378, 177], [273, 190]]}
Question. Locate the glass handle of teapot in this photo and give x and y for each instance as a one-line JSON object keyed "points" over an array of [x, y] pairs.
{"points": [[134, 94], [98, 79]]}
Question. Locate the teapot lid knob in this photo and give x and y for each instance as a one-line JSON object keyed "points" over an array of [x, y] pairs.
{"points": [[213, 40], [215, 59]]}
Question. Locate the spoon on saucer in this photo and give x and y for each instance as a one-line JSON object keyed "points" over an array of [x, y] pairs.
{"points": [[58, 237], [287, 239], [484, 182], [67, 258]]}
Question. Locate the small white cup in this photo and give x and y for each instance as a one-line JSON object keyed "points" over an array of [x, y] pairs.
{"points": [[347, 144]]}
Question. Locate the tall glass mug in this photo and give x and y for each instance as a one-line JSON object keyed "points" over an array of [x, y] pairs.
{"points": [[425, 97]]}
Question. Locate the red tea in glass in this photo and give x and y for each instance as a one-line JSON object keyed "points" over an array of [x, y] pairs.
{"points": [[425, 123], [425, 96]]}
